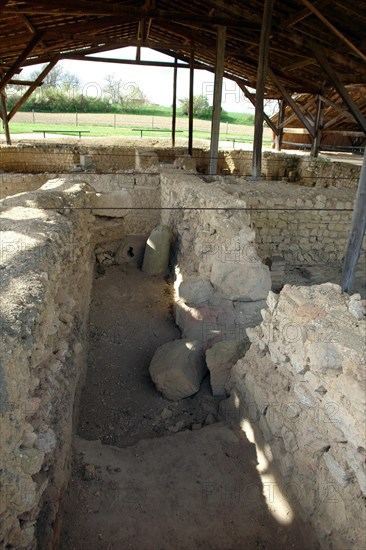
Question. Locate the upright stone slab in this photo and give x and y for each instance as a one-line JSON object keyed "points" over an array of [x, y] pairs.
{"points": [[156, 257], [220, 359]]}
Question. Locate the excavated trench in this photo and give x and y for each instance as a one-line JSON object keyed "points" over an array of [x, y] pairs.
{"points": [[151, 473], [147, 472]]}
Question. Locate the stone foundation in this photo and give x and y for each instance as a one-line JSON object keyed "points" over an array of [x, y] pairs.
{"points": [[302, 388], [60, 158], [52, 240]]}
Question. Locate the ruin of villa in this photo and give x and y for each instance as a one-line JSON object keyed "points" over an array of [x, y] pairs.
{"points": [[182, 360]]}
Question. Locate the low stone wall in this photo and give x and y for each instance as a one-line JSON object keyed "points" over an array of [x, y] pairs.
{"points": [[13, 183], [60, 158], [302, 388], [50, 242], [302, 169], [46, 277], [221, 282], [302, 225]]}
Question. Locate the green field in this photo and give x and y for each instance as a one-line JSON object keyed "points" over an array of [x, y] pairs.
{"points": [[109, 124]]}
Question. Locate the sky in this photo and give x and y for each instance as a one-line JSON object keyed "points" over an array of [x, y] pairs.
{"points": [[155, 82]]}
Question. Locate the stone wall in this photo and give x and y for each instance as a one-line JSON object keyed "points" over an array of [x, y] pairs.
{"points": [[221, 282], [50, 241], [299, 168], [60, 158], [46, 277], [302, 225], [302, 388]]}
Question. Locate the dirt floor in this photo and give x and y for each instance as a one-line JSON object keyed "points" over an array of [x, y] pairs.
{"points": [[130, 317], [136, 482]]}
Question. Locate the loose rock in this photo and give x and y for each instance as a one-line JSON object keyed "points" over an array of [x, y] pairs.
{"points": [[177, 368]]}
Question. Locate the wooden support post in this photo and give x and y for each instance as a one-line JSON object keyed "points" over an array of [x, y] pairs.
{"points": [[281, 118], [357, 233], [260, 86], [216, 108], [294, 106], [174, 113], [23, 56], [32, 87], [318, 128], [324, 63], [190, 111], [5, 119]]}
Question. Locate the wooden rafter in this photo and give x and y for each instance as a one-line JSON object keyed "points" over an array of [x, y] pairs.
{"points": [[13, 69], [330, 26], [90, 8], [303, 14], [2, 6], [32, 87], [294, 106], [250, 97], [325, 65], [292, 117]]}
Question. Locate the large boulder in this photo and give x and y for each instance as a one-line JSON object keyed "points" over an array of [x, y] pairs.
{"points": [[220, 360], [246, 282], [177, 368], [195, 290], [156, 258]]}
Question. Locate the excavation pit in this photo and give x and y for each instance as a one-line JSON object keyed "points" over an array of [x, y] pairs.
{"points": [[71, 258]]}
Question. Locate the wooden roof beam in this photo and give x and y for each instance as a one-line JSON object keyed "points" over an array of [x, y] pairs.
{"points": [[285, 94], [80, 57], [292, 117], [91, 8], [333, 77], [335, 31], [22, 57], [250, 97], [32, 87], [336, 106], [297, 18], [2, 6]]}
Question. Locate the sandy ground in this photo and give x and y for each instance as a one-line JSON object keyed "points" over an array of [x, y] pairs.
{"points": [[151, 474], [130, 317]]}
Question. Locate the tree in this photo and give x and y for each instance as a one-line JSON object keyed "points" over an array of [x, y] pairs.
{"points": [[201, 107], [58, 78], [127, 94]]}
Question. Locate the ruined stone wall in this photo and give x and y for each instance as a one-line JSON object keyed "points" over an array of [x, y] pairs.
{"points": [[221, 282], [302, 225], [302, 388], [13, 183], [33, 158], [46, 277], [49, 244], [60, 158]]}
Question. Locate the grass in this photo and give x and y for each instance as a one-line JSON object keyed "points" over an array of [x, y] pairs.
{"points": [[102, 125], [109, 130]]}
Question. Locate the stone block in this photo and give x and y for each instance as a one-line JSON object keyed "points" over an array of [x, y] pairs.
{"points": [[156, 257], [177, 368], [220, 359]]}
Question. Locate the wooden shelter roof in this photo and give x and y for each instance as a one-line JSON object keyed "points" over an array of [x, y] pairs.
{"points": [[36, 31]]}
